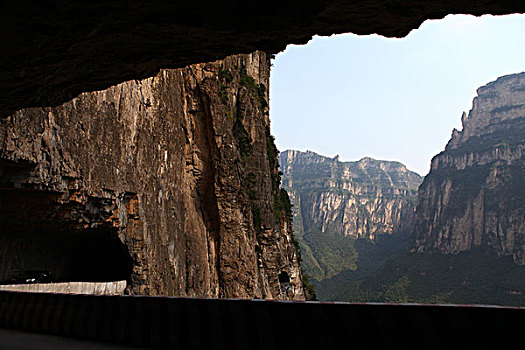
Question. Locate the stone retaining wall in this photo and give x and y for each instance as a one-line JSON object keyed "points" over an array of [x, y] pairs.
{"points": [[94, 288]]}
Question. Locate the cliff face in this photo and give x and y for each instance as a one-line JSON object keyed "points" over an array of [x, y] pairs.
{"points": [[169, 182], [474, 195], [355, 199]]}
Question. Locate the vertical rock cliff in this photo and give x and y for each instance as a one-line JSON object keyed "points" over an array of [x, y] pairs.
{"points": [[170, 182], [355, 199], [474, 195]]}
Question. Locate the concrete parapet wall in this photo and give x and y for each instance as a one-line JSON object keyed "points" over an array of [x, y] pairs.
{"points": [[185, 323], [94, 288]]}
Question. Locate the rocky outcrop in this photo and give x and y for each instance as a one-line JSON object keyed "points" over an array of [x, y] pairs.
{"points": [[170, 182], [474, 195], [354, 199], [56, 50]]}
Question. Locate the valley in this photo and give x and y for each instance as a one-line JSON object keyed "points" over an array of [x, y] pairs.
{"points": [[373, 231]]}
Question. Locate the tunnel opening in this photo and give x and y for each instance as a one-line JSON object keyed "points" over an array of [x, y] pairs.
{"points": [[284, 277], [43, 240], [94, 255], [347, 103]]}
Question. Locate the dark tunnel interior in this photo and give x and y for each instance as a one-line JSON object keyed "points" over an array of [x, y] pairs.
{"points": [[42, 241], [94, 255]]}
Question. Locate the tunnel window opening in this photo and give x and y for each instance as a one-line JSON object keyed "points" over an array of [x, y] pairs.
{"points": [[346, 108], [44, 241], [284, 277], [94, 255]]}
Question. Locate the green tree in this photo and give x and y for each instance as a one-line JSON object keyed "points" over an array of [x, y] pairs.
{"points": [[397, 292]]}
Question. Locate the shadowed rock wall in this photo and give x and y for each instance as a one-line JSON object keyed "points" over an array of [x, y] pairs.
{"points": [[180, 168], [54, 50]]}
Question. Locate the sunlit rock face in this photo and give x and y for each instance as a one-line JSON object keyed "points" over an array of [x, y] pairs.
{"points": [[354, 199], [53, 51], [170, 182], [474, 195]]}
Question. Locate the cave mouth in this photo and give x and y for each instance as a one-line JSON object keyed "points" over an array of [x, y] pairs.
{"points": [[92, 255], [284, 277], [45, 240]]}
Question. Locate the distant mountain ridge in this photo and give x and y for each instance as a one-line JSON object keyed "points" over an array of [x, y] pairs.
{"points": [[307, 167], [335, 200], [356, 199]]}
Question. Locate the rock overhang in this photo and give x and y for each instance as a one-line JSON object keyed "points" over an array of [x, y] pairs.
{"points": [[57, 50]]}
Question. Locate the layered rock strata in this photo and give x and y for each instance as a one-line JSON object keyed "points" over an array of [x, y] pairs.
{"points": [[474, 195], [354, 199], [169, 182]]}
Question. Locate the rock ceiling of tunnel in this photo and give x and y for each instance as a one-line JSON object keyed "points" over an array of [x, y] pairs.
{"points": [[54, 51]]}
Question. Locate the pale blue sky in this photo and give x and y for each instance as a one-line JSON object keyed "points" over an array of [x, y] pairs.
{"points": [[391, 99]]}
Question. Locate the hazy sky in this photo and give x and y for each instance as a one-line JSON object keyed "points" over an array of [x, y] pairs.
{"points": [[391, 99]]}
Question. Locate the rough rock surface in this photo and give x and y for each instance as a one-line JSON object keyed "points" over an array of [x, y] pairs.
{"points": [[55, 50], [169, 182], [474, 195], [355, 199]]}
